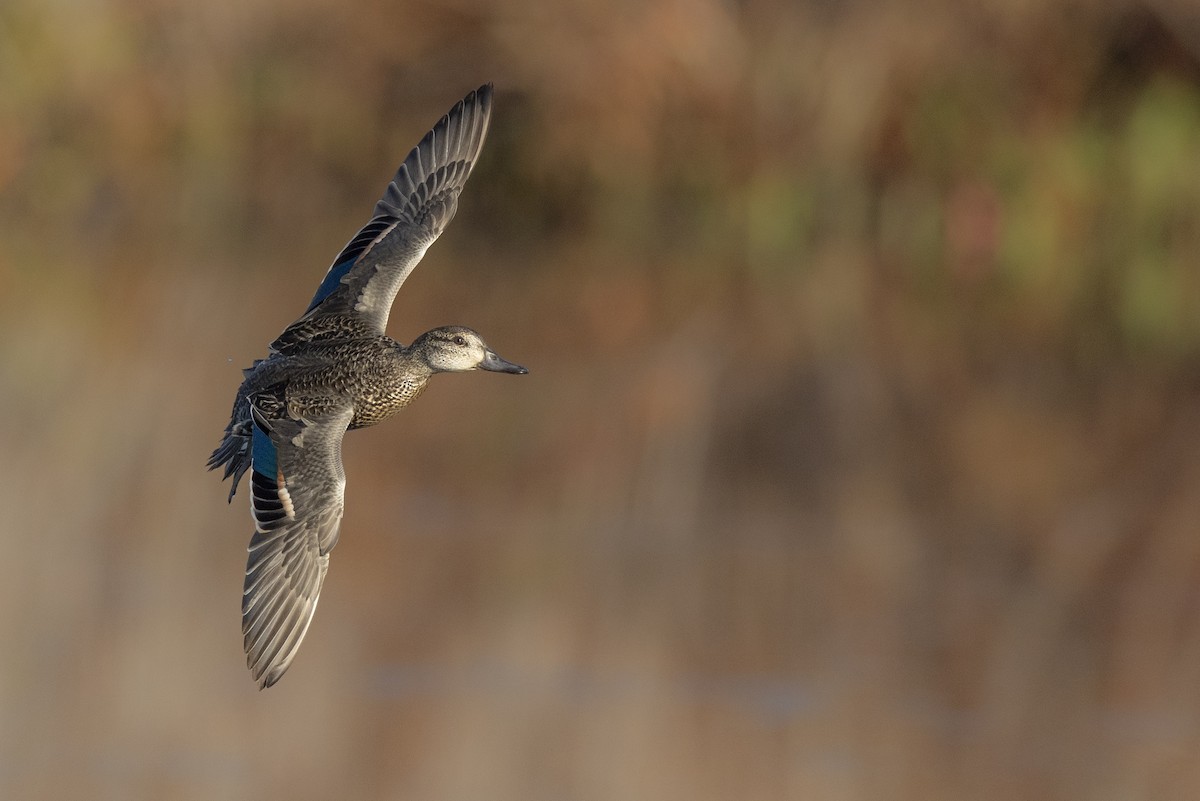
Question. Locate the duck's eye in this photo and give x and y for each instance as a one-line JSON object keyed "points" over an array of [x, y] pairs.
{"points": [[458, 340]]}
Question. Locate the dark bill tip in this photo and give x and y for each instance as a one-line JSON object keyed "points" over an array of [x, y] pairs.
{"points": [[495, 364]]}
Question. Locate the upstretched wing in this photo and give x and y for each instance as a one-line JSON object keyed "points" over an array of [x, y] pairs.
{"points": [[417, 206], [297, 485]]}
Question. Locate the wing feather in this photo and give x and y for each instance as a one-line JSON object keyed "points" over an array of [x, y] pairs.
{"points": [[416, 207], [297, 493]]}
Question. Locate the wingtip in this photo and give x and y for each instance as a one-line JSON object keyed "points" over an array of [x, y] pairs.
{"points": [[267, 672], [483, 96], [268, 680]]}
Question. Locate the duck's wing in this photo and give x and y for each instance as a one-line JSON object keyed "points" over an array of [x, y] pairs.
{"points": [[297, 486], [417, 206]]}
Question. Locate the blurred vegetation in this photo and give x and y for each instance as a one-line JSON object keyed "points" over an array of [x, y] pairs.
{"points": [[857, 459]]}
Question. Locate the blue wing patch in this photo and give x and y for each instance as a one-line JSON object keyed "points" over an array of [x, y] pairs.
{"points": [[332, 279], [349, 256], [264, 453]]}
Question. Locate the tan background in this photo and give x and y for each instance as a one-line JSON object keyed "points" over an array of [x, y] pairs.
{"points": [[859, 459]]}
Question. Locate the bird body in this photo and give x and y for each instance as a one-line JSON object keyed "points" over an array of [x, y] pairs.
{"points": [[335, 369], [376, 374]]}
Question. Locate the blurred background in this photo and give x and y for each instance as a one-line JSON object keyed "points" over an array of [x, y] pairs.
{"points": [[859, 457]]}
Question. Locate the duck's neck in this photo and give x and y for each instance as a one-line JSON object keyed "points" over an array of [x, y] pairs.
{"points": [[412, 361]]}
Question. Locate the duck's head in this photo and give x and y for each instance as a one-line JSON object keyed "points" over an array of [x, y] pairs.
{"points": [[456, 349]]}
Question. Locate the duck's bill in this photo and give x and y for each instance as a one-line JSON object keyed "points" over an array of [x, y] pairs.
{"points": [[497, 365]]}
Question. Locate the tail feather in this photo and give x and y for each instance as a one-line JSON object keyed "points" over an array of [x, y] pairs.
{"points": [[233, 453]]}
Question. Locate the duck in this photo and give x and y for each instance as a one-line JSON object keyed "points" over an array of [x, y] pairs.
{"points": [[333, 370]]}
